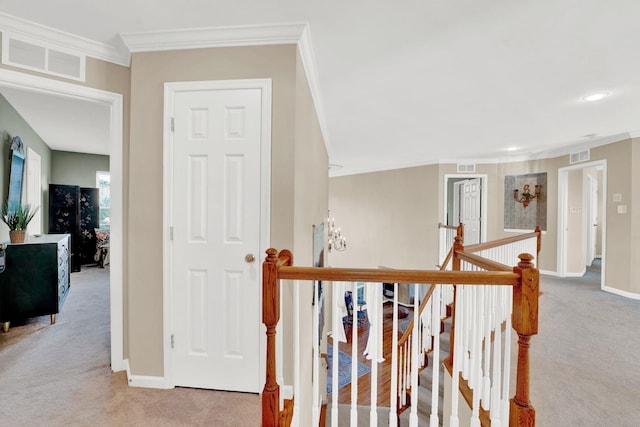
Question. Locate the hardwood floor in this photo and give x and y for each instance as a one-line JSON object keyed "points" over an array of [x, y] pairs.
{"points": [[384, 368]]}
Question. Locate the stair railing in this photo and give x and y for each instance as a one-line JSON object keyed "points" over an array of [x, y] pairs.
{"points": [[279, 266]]}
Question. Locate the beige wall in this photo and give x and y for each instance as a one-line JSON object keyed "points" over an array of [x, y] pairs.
{"points": [[297, 192], [389, 218], [366, 206]]}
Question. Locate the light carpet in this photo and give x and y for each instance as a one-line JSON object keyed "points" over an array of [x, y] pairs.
{"points": [[59, 375]]}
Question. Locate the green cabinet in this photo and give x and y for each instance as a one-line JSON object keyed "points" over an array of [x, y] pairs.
{"points": [[36, 279]]}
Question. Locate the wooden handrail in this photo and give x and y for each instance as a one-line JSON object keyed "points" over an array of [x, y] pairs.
{"points": [[484, 263], [423, 304], [399, 276], [450, 227], [495, 243]]}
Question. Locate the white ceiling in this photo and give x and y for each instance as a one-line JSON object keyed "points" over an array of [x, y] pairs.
{"points": [[422, 81]]}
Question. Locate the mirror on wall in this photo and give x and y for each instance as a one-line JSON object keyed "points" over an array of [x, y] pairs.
{"points": [[16, 173]]}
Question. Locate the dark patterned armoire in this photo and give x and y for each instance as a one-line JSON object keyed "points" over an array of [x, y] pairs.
{"points": [[75, 211]]}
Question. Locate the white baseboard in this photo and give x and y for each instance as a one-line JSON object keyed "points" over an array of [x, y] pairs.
{"points": [[549, 273], [621, 292], [145, 381]]}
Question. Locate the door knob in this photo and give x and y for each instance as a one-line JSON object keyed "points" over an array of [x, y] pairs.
{"points": [[249, 258]]}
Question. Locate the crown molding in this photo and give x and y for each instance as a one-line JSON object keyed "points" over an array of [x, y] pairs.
{"points": [[31, 31], [305, 48], [196, 38], [547, 154]]}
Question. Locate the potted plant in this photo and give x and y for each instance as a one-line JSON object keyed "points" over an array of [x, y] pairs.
{"points": [[17, 221]]}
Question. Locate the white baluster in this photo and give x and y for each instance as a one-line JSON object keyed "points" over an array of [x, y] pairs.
{"points": [[477, 351], [496, 380], [457, 341], [415, 350], [374, 310], [507, 355], [435, 379], [486, 380], [336, 327], [296, 353], [315, 321], [393, 401], [354, 356]]}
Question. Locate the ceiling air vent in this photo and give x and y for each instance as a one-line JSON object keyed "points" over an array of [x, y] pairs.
{"points": [[466, 168], [39, 57], [581, 156]]}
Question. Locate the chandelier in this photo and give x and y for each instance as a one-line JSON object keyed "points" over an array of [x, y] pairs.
{"points": [[334, 236], [526, 196]]}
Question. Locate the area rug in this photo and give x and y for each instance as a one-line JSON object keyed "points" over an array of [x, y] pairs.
{"points": [[344, 369]]}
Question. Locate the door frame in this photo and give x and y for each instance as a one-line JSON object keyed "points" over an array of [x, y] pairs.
{"points": [[170, 90], [484, 181], [592, 236], [37, 84], [563, 212], [32, 156]]}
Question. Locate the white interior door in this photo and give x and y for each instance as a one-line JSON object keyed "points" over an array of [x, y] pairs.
{"points": [[216, 232], [592, 219], [34, 189], [470, 212]]}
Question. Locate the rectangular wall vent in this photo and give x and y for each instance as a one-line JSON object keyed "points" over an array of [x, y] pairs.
{"points": [[581, 156], [33, 55], [466, 168]]}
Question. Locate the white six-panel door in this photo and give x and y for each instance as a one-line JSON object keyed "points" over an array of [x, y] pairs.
{"points": [[215, 212], [470, 212]]}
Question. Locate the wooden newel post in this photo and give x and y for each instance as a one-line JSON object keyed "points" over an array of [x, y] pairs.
{"points": [[525, 323], [270, 317]]}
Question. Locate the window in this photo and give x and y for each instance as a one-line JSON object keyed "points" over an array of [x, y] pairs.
{"points": [[103, 182]]}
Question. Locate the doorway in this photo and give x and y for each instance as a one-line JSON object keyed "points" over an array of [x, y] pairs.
{"points": [[216, 207], [582, 219], [113, 101], [465, 202]]}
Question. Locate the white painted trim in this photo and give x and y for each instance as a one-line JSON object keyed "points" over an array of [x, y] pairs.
{"points": [[197, 38], [563, 218], [345, 171], [254, 35], [307, 56], [576, 274], [622, 293], [484, 200], [31, 83], [144, 381], [6, 50], [62, 40], [170, 89]]}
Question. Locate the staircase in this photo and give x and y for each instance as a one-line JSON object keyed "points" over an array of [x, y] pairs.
{"points": [[472, 345]]}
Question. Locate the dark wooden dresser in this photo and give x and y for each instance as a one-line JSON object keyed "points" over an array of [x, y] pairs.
{"points": [[36, 279]]}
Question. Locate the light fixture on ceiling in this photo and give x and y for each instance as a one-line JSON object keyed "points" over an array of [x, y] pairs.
{"points": [[597, 96], [335, 238], [512, 149]]}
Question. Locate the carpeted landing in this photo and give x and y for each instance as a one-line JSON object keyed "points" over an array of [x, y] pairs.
{"points": [[59, 375]]}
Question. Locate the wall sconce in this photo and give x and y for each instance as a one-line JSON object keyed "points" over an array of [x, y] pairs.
{"points": [[335, 238], [527, 197]]}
